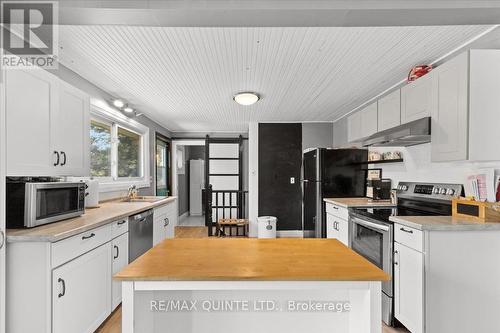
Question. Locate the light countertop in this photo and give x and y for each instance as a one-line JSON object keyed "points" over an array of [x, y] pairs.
{"points": [[358, 202], [94, 217], [227, 259], [444, 223]]}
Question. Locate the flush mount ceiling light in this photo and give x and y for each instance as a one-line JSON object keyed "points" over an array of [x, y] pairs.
{"points": [[128, 109], [118, 103], [246, 98]]}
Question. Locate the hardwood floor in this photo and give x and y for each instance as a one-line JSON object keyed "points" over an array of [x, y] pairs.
{"points": [[114, 322]]}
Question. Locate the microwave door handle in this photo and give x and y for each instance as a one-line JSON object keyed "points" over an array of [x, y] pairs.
{"points": [[371, 225]]}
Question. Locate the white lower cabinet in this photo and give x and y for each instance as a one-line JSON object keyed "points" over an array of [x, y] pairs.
{"points": [[165, 220], [408, 287], [120, 260], [337, 228], [81, 292]]}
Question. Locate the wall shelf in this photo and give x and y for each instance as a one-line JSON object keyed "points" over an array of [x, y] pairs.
{"points": [[396, 160]]}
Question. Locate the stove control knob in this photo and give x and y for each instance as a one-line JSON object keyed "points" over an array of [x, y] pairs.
{"points": [[404, 187], [442, 191], [436, 190], [450, 191]]}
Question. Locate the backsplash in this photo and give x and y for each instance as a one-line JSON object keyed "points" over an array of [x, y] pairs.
{"points": [[417, 166]]}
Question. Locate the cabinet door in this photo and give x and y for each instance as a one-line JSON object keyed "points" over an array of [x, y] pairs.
{"points": [[72, 125], [369, 121], [159, 228], [168, 226], [416, 99], [389, 111], [354, 127], [343, 231], [120, 260], [408, 287], [81, 292], [31, 98], [331, 230], [449, 137]]}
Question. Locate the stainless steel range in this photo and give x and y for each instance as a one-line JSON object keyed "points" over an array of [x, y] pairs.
{"points": [[372, 234]]}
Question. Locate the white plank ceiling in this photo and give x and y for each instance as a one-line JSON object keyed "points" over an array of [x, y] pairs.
{"points": [[184, 78]]}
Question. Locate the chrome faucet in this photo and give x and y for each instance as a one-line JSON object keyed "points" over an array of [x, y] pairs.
{"points": [[132, 192]]}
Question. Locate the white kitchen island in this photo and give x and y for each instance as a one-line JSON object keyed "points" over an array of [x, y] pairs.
{"points": [[251, 285]]}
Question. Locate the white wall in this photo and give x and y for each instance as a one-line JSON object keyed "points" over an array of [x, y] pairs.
{"points": [[317, 135], [418, 167]]}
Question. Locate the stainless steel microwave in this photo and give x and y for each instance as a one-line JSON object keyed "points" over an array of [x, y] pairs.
{"points": [[33, 202]]}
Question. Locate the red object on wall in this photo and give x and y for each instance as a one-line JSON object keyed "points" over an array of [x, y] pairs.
{"points": [[418, 71]]}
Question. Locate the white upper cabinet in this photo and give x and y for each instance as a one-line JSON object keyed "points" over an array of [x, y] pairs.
{"points": [[450, 112], [389, 111], [73, 128], [416, 99], [30, 98], [369, 120], [47, 125], [484, 85], [354, 127], [362, 123]]}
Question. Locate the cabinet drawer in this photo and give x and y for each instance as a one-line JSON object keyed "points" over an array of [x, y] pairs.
{"points": [[161, 210], [408, 236], [119, 227], [337, 211], [70, 248]]}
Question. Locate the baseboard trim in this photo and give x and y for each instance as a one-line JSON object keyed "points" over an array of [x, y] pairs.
{"points": [[184, 216], [289, 234]]}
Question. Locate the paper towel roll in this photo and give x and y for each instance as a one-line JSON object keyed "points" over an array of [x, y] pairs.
{"points": [[92, 194]]}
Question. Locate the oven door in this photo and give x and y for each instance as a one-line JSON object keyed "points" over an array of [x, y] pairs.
{"points": [[51, 202], [373, 240]]}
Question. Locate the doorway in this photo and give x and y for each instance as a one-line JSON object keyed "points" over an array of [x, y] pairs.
{"points": [[163, 172], [190, 171]]}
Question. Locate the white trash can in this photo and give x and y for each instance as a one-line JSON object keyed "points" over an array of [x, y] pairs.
{"points": [[266, 226]]}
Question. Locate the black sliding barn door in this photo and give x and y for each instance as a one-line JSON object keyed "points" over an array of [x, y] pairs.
{"points": [[280, 158]]}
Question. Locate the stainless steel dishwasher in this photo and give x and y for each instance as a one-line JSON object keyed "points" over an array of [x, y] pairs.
{"points": [[140, 227]]}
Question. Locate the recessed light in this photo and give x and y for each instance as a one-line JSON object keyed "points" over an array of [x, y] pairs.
{"points": [[246, 98], [118, 103], [128, 109]]}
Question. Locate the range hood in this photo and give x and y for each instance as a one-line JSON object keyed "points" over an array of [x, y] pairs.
{"points": [[409, 134]]}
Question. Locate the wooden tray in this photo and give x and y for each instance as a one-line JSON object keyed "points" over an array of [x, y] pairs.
{"points": [[477, 210]]}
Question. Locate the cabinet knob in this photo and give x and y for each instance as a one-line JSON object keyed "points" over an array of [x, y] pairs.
{"points": [[63, 283], [64, 158], [57, 158]]}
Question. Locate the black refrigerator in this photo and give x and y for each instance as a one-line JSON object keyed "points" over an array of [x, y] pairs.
{"points": [[330, 173]]}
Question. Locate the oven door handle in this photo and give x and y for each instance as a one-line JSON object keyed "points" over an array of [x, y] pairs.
{"points": [[371, 225]]}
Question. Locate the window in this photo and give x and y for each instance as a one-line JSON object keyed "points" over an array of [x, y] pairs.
{"points": [[100, 149], [118, 151]]}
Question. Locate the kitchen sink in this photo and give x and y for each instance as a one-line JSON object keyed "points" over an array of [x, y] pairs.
{"points": [[145, 198]]}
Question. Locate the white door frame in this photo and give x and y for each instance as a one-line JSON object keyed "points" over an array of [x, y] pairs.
{"points": [[3, 236], [175, 143]]}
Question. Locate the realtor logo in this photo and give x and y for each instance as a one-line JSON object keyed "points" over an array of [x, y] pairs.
{"points": [[29, 34]]}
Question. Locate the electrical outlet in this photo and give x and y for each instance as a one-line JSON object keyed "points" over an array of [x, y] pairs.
{"points": [[292, 180]]}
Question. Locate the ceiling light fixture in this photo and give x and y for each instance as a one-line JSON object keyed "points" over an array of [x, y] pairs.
{"points": [[246, 98], [118, 103], [128, 109]]}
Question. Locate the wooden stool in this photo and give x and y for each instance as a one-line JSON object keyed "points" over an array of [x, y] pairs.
{"points": [[235, 224]]}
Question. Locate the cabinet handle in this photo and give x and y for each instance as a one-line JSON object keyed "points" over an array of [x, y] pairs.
{"points": [[335, 207], [57, 158], [117, 252], [64, 158], [89, 236], [404, 230], [2, 240], [121, 222], [63, 288], [396, 253], [167, 221]]}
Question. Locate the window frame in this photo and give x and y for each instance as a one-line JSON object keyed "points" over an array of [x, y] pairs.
{"points": [[116, 119]]}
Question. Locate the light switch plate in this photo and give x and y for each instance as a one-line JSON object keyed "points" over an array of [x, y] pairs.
{"points": [[292, 180]]}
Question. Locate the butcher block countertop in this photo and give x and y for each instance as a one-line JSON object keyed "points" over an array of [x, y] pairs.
{"points": [[358, 202], [444, 223], [94, 217], [229, 259]]}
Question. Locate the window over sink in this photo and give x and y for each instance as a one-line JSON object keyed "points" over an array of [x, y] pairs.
{"points": [[118, 151]]}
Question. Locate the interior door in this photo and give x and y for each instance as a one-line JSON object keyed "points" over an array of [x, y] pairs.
{"points": [[196, 184]]}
